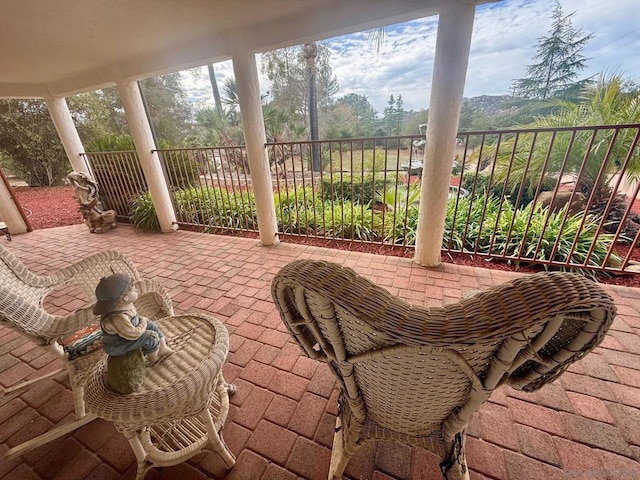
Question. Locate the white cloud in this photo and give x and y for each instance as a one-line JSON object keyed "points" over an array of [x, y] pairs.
{"points": [[196, 82], [503, 43]]}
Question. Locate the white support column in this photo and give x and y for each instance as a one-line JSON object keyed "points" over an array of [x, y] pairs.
{"points": [[61, 116], [149, 160], [246, 73], [455, 26], [9, 212]]}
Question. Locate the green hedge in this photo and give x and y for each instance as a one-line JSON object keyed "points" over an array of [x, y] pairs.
{"points": [[354, 188]]}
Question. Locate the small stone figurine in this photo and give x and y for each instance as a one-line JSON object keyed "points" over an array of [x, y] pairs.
{"points": [[86, 193], [126, 335]]}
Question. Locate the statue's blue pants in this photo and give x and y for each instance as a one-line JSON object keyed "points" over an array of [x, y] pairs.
{"points": [[149, 341]]}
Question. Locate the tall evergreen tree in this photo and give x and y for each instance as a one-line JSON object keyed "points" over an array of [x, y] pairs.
{"points": [[393, 115], [364, 116], [169, 108], [286, 69], [559, 60]]}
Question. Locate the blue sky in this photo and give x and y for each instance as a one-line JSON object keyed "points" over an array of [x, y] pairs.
{"points": [[503, 43]]}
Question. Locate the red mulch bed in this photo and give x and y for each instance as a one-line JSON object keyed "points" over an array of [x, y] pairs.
{"points": [[48, 207]]}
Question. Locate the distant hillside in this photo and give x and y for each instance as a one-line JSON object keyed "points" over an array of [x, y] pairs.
{"points": [[498, 111], [488, 104]]}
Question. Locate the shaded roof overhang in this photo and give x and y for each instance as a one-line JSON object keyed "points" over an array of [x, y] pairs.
{"points": [[62, 47]]}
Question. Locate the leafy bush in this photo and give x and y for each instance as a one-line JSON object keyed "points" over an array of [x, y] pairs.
{"points": [[216, 208], [117, 173], [401, 232], [528, 227], [235, 210], [301, 212], [354, 188], [298, 211], [213, 207], [111, 143], [397, 199]]}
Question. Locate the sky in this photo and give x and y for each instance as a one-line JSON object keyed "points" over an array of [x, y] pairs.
{"points": [[504, 41]]}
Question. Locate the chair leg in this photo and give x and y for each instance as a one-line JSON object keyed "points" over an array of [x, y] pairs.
{"points": [[78, 400], [455, 466], [143, 466], [49, 436], [20, 386], [217, 443], [340, 455]]}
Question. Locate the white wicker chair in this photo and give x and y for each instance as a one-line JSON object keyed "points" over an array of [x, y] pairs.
{"points": [[22, 296], [415, 374]]}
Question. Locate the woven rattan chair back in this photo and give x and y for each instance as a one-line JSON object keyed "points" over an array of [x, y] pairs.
{"points": [[22, 288], [416, 374]]}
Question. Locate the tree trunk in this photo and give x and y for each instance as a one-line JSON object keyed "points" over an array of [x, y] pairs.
{"points": [[214, 88], [310, 52]]}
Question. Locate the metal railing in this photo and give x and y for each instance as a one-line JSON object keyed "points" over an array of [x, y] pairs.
{"points": [[550, 196], [211, 188], [539, 196], [120, 179], [357, 190]]}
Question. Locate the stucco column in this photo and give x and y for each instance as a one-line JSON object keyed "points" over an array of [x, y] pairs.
{"points": [[149, 160], [455, 26], [61, 116], [9, 212], [246, 73]]}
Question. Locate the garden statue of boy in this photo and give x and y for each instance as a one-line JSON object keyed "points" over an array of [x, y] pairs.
{"points": [[125, 334]]}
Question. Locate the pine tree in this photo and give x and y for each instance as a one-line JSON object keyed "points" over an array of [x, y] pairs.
{"points": [[393, 115], [559, 60]]}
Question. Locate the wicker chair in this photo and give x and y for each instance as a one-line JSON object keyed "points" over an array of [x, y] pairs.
{"points": [[415, 374], [22, 297]]}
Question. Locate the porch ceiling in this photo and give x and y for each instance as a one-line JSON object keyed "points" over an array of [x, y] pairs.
{"points": [[61, 47]]}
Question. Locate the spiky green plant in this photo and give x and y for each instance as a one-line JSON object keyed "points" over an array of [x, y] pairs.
{"points": [[351, 221], [398, 198], [143, 214]]}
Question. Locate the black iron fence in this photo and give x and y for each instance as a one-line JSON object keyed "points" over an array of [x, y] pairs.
{"points": [[563, 197], [120, 179], [211, 188]]}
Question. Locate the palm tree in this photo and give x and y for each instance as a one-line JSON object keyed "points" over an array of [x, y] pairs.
{"points": [[604, 103], [594, 157], [310, 53], [214, 87], [217, 128]]}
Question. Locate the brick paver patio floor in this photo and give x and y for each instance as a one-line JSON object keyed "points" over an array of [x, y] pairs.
{"points": [[586, 425]]}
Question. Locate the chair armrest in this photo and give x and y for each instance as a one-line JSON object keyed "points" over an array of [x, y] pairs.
{"points": [[153, 300], [34, 322]]}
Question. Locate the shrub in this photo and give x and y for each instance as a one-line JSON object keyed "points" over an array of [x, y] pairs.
{"points": [[143, 214], [354, 188], [400, 232], [298, 211], [117, 174], [517, 232], [216, 208]]}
